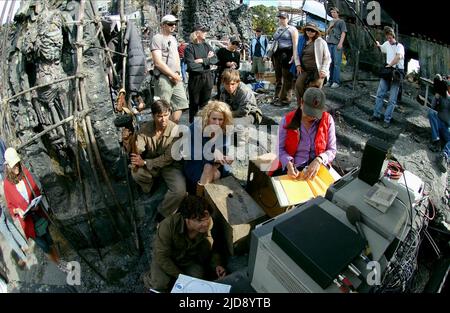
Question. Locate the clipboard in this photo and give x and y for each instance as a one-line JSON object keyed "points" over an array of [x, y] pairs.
{"points": [[33, 204]]}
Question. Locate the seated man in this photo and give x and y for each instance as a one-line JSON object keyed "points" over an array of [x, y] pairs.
{"points": [[151, 157], [439, 116], [306, 137], [183, 245], [240, 98]]}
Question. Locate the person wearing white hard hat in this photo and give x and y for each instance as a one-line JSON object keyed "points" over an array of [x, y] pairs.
{"points": [[8, 230], [20, 189]]}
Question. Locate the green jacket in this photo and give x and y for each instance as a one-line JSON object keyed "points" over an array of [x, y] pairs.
{"points": [[173, 249]]}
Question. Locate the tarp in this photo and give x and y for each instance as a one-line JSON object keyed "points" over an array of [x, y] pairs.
{"points": [[5, 6], [316, 8]]}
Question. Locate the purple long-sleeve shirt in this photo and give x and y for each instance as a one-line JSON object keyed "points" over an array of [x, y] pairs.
{"points": [[306, 150]]}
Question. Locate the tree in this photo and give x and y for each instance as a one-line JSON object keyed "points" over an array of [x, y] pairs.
{"points": [[264, 17]]}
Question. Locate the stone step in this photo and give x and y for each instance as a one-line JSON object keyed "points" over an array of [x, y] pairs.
{"points": [[354, 116], [411, 115], [350, 137], [342, 95]]}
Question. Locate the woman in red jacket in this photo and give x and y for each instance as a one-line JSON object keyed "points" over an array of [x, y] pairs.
{"points": [[20, 189]]}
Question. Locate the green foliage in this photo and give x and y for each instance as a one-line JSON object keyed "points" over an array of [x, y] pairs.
{"points": [[265, 18]]}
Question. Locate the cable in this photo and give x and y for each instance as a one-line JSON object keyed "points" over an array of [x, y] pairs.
{"points": [[394, 170], [407, 191]]}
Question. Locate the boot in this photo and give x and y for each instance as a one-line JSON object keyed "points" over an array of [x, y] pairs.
{"points": [[200, 191]]}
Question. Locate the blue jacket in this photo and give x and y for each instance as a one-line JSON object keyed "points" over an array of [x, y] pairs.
{"points": [[193, 167], [300, 46], [263, 42]]}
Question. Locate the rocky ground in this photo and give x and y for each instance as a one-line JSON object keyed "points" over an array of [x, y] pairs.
{"points": [[123, 266]]}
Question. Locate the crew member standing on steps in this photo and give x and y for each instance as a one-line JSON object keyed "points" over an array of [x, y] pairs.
{"points": [[199, 56], [395, 59], [227, 58], [258, 54], [336, 34], [168, 81]]}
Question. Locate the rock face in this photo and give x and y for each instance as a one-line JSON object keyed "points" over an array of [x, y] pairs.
{"points": [[90, 212], [35, 59], [225, 18]]}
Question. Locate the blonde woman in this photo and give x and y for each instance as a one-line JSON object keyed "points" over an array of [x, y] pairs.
{"points": [[207, 161]]}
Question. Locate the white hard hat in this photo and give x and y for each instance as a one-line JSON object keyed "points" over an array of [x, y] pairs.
{"points": [[11, 157]]}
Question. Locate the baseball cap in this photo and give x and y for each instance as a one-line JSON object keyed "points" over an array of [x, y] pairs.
{"points": [[169, 18], [202, 28], [314, 102], [235, 39], [334, 9]]}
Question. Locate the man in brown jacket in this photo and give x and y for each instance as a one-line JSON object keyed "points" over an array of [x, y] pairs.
{"points": [[184, 245], [151, 157]]}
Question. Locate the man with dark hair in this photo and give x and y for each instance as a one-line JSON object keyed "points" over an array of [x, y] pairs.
{"points": [[227, 58], [395, 63], [439, 117], [258, 53], [184, 245], [151, 157], [335, 38]]}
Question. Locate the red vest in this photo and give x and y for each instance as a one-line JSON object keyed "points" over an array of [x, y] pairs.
{"points": [[293, 136]]}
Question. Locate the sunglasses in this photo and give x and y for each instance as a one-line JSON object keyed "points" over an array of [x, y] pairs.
{"points": [[171, 24], [311, 30], [235, 43]]}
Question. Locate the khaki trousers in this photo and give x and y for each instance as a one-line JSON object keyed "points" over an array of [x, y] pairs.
{"points": [[175, 181]]}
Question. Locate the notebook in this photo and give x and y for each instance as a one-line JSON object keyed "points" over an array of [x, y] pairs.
{"points": [[291, 191], [35, 202]]}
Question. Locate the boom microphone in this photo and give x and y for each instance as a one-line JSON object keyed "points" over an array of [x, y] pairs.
{"points": [[354, 217]]}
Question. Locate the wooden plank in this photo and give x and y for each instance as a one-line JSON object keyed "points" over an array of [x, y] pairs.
{"points": [[235, 212], [233, 202]]}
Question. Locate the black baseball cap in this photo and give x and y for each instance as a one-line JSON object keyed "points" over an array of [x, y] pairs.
{"points": [[202, 28]]}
